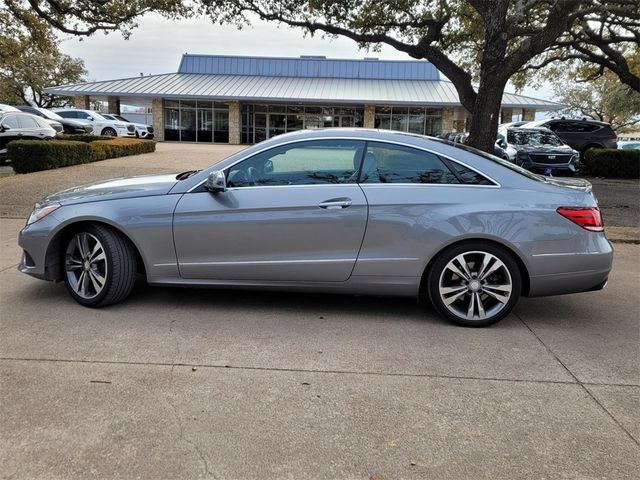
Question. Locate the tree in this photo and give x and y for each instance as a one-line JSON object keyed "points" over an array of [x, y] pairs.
{"points": [[31, 61], [478, 44], [604, 99]]}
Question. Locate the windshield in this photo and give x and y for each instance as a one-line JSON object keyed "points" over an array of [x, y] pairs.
{"points": [[119, 117], [523, 136], [48, 114], [493, 158]]}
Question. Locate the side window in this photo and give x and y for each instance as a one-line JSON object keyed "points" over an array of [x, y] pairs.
{"points": [[11, 121], [563, 127], [303, 163], [386, 163], [67, 114], [468, 176], [27, 121]]}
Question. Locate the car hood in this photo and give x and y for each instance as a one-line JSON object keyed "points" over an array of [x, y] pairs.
{"points": [[545, 149], [114, 189]]}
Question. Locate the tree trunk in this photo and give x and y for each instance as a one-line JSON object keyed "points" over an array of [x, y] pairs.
{"points": [[486, 114]]}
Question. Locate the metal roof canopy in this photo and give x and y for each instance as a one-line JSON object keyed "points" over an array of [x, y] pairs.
{"points": [[324, 86]]}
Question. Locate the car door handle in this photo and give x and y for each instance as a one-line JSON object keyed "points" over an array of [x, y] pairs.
{"points": [[336, 203]]}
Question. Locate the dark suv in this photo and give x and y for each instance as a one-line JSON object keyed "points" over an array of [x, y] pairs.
{"points": [[580, 135]]}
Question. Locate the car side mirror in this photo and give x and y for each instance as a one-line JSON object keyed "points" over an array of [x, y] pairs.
{"points": [[4, 128], [216, 182]]}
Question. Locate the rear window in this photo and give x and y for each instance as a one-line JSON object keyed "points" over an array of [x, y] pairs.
{"points": [[493, 158], [522, 136]]}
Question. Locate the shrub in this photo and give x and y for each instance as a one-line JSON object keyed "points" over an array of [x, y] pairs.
{"points": [[34, 155], [82, 137], [613, 163]]}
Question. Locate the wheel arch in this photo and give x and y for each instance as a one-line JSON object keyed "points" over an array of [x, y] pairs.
{"points": [[510, 250], [55, 248]]}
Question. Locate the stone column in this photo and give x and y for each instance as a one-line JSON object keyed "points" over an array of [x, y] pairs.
{"points": [[113, 105], [506, 115], [235, 123], [82, 102], [528, 114], [447, 119], [157, 119], [369, 120]]}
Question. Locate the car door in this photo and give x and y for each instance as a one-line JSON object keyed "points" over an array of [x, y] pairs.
{"points": [[31, 129], [291, 213]]}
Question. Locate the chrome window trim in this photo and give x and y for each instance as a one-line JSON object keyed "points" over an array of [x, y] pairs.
{"points": [[364, 139]]}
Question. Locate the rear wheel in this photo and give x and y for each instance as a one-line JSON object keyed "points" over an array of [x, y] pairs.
{"points": [[474, 284], [109, 132], [100, 266]]}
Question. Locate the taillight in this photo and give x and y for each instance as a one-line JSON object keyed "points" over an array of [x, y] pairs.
{"points": [[588, 218]]}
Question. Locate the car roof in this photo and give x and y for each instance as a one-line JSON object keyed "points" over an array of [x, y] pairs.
{"points": [[581, 120]]}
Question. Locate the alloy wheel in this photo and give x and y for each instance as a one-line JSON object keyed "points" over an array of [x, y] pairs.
{"points": [[475, 285], [86, 265]]}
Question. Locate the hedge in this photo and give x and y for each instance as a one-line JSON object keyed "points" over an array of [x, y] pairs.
{"points": [[34, 155], [82, 137], [612, 163]]}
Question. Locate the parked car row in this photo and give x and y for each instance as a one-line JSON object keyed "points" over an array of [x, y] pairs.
{"points": [[28, 122], [551, 145]]}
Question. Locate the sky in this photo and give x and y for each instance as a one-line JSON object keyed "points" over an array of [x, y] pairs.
{"points": [[157, 45]]}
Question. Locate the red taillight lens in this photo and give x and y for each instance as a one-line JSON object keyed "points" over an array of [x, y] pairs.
{"points": [[587, 218]]}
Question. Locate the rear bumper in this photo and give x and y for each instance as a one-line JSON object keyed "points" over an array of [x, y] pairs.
{"points": [[573, 273]]}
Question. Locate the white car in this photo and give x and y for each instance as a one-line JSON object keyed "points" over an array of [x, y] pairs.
{"points": [[142, 130], [101, 125], [7, 108]]}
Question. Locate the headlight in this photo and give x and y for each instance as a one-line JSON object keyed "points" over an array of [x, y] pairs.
{"points": [[41, 212]]}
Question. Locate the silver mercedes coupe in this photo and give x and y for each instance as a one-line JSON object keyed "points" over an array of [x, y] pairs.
{"points": [[349, 211]]}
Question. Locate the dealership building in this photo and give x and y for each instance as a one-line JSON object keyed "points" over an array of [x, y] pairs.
{"points": [[240, 99]]}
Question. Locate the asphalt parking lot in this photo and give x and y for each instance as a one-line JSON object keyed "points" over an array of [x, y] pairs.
{"points": [[188, 383]]}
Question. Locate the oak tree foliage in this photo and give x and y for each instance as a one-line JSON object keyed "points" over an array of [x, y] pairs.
{"points": [[479, 45]]}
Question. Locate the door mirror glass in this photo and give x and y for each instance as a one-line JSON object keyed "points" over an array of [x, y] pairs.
{"points": [[4, 128], [216, 182]]}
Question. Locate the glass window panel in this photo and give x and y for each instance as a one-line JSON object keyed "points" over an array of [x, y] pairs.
{"points": [[187, 104], [327, 111], [172, 103], [295, 122], [469, 176], [205, 125], [383, 110], [302, 163], [204, 104], [313, 121], [416, 110], [386, 163], [314, 110], [172, 124], [434, 112], [220, 106], [221, 126], [327, 121], [416, 124], [399, 122], [261, 108], [277, 124], [434, 126], [383, 121], [187, 125], [277, 108], [344, 111], [295, 109]]}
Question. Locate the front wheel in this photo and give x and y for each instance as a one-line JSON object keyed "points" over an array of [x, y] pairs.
{"points": [[100, 266], [474, 284]]}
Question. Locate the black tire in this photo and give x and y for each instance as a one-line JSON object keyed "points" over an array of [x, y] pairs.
{"points": [[109, 132], [473, 250], [121, 268]]}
